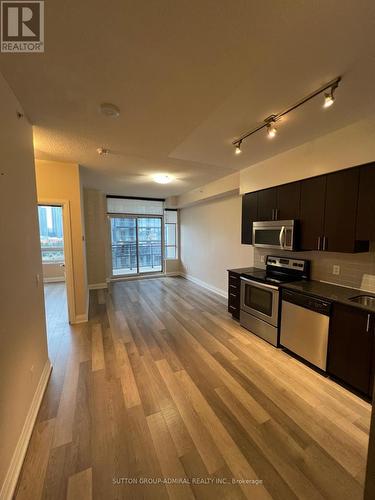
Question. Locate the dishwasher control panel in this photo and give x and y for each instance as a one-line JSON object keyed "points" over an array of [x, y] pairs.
{"points": [[314, 304]]}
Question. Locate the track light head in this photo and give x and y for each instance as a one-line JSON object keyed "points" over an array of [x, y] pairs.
{"points": [[238, 150], [271, 129], [329, 97]]}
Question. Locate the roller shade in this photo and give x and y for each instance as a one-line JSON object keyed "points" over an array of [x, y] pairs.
{"points": [[135, 206], [170, 216]]}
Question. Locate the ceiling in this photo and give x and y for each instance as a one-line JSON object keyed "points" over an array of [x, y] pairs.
{"points": [[189, 77]]}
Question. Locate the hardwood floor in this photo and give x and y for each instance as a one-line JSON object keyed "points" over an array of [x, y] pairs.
{"points": [[162, 383]]}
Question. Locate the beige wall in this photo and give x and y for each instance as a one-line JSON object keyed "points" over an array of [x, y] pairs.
{"points": [[61, 181], [23, 348], [346, 147], [210, 241], [96, 236], [53, 272]]}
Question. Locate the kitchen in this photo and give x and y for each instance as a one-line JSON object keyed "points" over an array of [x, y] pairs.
{"points": [[292, 304]]}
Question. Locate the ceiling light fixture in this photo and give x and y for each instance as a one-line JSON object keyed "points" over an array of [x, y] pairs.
{"points": [[110, 110], [102, 151], [329, 97], [269, 122], [271, 129], [162, 178], [238, 148]]}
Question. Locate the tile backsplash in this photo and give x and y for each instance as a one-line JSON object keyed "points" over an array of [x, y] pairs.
{"points": [[356, 270]]}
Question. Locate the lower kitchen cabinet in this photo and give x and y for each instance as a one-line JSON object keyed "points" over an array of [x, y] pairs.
{"points": [[350, 347], [234, 294]]}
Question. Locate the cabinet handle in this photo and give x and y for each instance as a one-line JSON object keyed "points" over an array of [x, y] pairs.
{"points": [[233, 294], [368, 323], [232, 307], [276, 214], [319, 240], [324, 242], [233, 286]]}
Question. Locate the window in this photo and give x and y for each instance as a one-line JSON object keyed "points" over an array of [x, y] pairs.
{"points": [[51, 233], [170, 218]]}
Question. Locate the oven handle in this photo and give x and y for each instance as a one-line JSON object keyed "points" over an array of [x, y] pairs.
{"points": [[259, 285]]}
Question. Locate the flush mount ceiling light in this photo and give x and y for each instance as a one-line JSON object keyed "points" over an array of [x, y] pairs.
{"points": [[162, 178], [110, 110], [102, 151], [269, 123]]}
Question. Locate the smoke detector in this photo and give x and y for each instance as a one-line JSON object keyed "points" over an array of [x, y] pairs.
{"points": [[109, 110], [102, 151]]}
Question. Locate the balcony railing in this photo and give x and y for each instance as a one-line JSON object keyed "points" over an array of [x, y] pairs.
{"points": [[124, 256], [52, 254]]}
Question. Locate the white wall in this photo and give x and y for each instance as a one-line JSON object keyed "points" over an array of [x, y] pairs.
{"points": [[23, 346], [211, 241], [347, 147]]}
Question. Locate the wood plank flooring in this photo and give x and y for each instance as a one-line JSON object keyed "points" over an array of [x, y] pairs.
{"points": [[163, 395]]}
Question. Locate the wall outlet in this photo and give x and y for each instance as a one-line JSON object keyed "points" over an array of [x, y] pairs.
{"points": [[262, 258], [336, 270]]}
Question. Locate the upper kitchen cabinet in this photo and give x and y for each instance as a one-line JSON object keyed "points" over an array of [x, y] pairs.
{"points": [[288, 201], [267, 204], [366, 203], [249, 215], [341, 212], [313, 194]]}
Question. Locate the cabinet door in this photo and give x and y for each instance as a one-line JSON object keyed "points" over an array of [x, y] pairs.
{"points": [[267, 203], [249, 215], [288, 201], [350, 346], [341, 211], [313, 194], [366, 204]]}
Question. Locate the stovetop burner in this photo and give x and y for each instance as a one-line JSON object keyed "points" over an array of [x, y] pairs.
{"points": [[280, 270]]}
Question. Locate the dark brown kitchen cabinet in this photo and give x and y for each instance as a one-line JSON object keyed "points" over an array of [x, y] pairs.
{"points": [[267, 204], [313, 193], [365, 229], [288, 201], [249, 215], [234, 294], [350, 346], [341, 212]]}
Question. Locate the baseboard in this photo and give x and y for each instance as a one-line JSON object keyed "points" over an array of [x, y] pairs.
{"points": [[58, 279], [173, 273], [205, 285], [98, 286], [14, 469]]}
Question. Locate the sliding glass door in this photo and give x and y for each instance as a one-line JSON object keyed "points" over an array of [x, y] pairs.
{"points": [[136, 245]]}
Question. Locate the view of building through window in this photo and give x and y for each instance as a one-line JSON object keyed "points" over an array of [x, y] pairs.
{"points": [[136, 245], [51, 233]]}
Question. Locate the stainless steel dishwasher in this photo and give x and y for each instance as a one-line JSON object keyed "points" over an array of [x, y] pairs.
{"points": [[304, 327]]}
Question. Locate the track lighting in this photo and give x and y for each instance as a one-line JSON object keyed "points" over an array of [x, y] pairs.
{"points": [[329, 97], [269, 122], [238, 148], [271, 129]]}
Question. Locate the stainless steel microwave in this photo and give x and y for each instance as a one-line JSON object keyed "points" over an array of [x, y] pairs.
{"points": [[279, 234]]}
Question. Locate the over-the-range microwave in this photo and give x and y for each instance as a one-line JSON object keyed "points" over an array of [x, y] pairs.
{"points": [[279, 234]]}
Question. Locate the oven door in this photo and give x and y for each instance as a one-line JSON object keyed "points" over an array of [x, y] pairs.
{"points": [[260, 300]]}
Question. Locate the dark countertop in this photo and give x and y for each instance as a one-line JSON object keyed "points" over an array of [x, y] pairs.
{"points": [[334, 293], [242, 270]]}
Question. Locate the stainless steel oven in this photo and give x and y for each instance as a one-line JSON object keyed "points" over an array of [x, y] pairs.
{"points": [[279, 234], [260, 309], [261, 300]]}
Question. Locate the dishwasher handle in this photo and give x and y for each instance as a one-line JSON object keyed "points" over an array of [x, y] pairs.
{"points": [[315, 304]]}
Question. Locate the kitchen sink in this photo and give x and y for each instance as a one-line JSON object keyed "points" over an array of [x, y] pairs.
{"points": [[364, 300]]}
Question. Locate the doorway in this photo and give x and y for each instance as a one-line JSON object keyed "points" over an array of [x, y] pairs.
{"points": [[55, 243], [136, 245]]}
